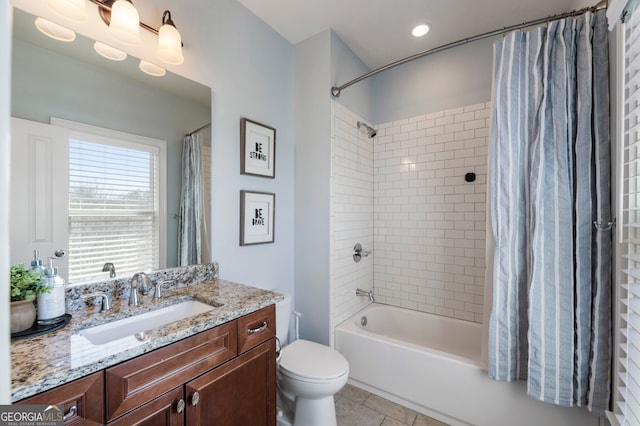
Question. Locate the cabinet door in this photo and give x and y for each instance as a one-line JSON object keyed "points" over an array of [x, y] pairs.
{"points": [[83, 400], [239, 393], [162, 411]]}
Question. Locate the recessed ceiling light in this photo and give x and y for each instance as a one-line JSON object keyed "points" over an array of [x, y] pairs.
{"points": [[420, 30]]}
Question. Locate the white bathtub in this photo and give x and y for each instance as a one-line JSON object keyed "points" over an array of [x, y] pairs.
{"points": [[431, 364]]}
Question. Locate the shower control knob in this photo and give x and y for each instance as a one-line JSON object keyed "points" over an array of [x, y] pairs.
{"points": [[359, 253]]}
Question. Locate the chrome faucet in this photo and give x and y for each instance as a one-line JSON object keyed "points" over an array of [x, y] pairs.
{"points": [[106, 301], [369, 294], [157, 288], [133, 294], [110, 268]]}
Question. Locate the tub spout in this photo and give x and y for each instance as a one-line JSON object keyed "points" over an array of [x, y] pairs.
{"points": [[369, 294]]}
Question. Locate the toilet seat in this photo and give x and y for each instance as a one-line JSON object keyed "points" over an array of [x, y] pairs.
{"points": [[312, 362]]}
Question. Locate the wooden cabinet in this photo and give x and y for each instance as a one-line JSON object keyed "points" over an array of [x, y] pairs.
{"points": [[83, 400], [239, 393], [137, 381], [161, 411], [223, 376]]}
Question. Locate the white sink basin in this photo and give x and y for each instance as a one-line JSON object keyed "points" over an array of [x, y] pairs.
{"points": [[137, 324]]}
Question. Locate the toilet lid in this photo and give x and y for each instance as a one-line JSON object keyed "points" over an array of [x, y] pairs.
{"points": [[313, 361]]}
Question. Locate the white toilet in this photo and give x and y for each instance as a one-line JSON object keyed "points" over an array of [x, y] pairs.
{"points": [[308, 374]]}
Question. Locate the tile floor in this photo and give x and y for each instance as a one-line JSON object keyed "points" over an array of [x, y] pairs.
{"points": [[357, 407]]}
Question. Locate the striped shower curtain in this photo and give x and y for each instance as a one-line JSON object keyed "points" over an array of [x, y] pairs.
{"points": [[550, 181]]}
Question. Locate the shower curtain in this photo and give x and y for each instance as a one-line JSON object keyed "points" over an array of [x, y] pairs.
{"points": [[550, 181], [193, 239]]}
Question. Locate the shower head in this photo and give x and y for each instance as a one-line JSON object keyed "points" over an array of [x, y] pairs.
{"points": [[370, 131]]}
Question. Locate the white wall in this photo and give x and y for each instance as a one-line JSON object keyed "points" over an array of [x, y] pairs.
{"points": [[429, 222], [345, 66], [250, 69], [5, 87], [352, 200], [312, 181], [320, 62], [445, 80]]}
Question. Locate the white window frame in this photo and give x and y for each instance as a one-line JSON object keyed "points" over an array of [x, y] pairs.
{"points": [[624, 325], [101, 135]]}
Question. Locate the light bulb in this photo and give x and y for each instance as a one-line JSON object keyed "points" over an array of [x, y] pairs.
{"points": [[170, 45], [125, 22], [70, 9]]}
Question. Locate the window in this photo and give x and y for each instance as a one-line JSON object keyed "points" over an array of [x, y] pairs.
{"points": [[627, 394], [116, 211]]}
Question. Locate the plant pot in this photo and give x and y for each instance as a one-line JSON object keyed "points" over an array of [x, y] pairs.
{"points": [[23, 315]]}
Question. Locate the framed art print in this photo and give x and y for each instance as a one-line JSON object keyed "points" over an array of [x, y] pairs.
{"points": [[257, 149], [257, 210]]}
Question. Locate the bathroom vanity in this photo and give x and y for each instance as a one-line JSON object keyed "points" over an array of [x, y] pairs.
{"points": [[218, 366]]}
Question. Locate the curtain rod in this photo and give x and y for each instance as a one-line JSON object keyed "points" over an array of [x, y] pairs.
{"points": [[336, 90], [198, 129]]}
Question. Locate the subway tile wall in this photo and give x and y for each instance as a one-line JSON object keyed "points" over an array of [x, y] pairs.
{"points": [[351, 214], [429, 223]]}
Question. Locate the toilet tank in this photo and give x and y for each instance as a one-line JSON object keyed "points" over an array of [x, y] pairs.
{"points": [[283, 313]]}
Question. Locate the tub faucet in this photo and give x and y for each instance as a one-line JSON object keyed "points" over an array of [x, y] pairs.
{"points": [[133, 294], [369, 294], [110, 268]]}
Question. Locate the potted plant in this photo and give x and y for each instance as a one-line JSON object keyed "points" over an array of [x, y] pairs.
{"points": [[25, 286]]}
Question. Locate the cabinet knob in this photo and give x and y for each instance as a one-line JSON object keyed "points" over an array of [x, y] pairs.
{"points": [[195, 398], [180, 406]]}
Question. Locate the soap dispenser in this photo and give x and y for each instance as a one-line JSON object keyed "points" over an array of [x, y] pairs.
{"points": [[36, 263], [51, 305]]}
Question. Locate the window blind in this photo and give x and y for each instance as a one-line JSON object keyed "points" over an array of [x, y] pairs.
{"points": [[628, 393], [113, 209]]}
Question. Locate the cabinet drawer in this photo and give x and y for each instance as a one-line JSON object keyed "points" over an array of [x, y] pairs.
{"points": [[256, 327], [85, 394], [135, 382], [161, 411]]}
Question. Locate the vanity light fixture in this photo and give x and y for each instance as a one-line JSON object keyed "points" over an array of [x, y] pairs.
{"points": [[109, 52], [420, 30], [55, 31], [169, 48], [169, 41], [151, 69], [125, 22], [71, 9]]}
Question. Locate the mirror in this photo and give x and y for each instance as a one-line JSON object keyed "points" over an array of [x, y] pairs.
{"points": [[72, 82]]}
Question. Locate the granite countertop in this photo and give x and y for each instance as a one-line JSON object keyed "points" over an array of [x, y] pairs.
{"points": [[44, 362]]}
